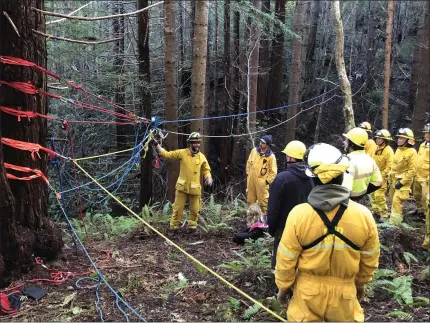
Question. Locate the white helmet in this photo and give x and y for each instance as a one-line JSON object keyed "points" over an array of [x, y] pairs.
{"points": [[323, 154]]}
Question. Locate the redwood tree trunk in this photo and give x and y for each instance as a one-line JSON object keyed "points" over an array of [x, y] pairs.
{"points": [[276, 60], [119, 89], [296, 71], [225, 147], [345, 86], [198, 74], [422, 92], [263, 76], [171, 94], [145, 107], [25, 229], [254, 48], [387, 68]]}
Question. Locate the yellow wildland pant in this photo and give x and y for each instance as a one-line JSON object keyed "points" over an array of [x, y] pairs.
{"points": [[178, 209], [397, 199], [378, 200], [421, 193]]}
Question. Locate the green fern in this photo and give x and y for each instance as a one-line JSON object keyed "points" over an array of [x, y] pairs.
{"points": [[403, 316], [425, 274], [251, 311], [402, 291], [234, 303], [384, 273], [420, 301], [408, 257]]}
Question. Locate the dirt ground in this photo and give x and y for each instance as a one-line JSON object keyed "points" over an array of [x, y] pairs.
{"points": [[146, 271]]}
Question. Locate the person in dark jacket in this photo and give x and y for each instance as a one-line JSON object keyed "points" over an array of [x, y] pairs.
{"points": [[290, 188]]}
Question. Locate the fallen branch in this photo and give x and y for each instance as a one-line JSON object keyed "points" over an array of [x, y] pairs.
{"points": [[75, 40], [48, 13], [69, 14]]}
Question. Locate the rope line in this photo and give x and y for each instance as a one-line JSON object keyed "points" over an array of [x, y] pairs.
{"points": [[179, 248], [99, 274], [249, 113]]}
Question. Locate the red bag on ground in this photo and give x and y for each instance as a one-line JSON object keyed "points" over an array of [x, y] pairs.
{"points": [[6, 307]]}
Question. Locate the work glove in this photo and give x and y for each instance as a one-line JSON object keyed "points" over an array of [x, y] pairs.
{"points": [[283, 297], [398, 186], [208, 181], [360, 292]]}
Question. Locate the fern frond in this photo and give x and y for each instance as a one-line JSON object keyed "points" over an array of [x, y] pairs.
{"points": [[403, 316], [251, 311]]}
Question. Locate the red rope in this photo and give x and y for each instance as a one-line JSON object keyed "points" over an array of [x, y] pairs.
{"points": [[30, 114], [28, 88], [37, 173], [29, 146]]}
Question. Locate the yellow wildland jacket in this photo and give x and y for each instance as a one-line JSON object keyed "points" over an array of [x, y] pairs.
{"points": [[191, 167], [364, 171], [404, 166], [423, 161]]}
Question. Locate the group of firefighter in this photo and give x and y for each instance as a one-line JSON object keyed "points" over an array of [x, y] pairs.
{"points": [[326, 242]]}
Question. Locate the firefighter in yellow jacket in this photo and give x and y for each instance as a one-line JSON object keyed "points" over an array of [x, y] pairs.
{"points": [[421, 183], [192, 164], [402, 173], [383, 156], [329, 249], [370, 146], [261, 170]]}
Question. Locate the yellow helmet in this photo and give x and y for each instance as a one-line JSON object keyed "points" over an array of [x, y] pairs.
{"points": [[295, 149], [405, 133], [383, 134], [194, 137], [426, 127], [357, 136], [366, 126]]}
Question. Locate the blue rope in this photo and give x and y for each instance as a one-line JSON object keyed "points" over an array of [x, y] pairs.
{"points": [[134, 158], [248, 113], [99, 274]]}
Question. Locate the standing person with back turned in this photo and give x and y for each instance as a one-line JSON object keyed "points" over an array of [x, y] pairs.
{"points": [[365, 174], [261, 170], [290, 188], [330, 247], [192, 164]]}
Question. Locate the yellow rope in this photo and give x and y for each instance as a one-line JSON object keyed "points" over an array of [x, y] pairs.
{"points": [[108, 154], [179, 248]]}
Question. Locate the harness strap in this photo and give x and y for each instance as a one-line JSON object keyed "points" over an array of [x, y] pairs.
{"points": [[331, 227]]}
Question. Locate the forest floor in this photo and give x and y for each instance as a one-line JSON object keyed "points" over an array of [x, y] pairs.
{"points": [[162, 284]]}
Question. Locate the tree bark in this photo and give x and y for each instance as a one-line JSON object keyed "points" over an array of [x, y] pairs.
{"points": [[387, 68], [264, 56], [145, 105], [345, 86], [423, 91], [295, 86], [25, 229], [198, 74], [310, 48], [371, 45], [171, 94], [225, 147], [252, 80], [119, 89], [276, 60]]}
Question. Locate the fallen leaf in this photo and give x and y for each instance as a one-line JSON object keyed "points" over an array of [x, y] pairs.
{"points": [[68, 299]]}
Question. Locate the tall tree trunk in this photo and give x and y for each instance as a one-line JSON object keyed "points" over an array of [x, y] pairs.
{"points": [[276, 60], [345, 86], [119, 89], [387, 68], [207, 113], [371, 45], [225, 148], [423, 91], [215, 99], [25, 230], [296, 71], [198, 73], [252, 80], [145, 96], [310, 48], [263, 76], [171, 94]]}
